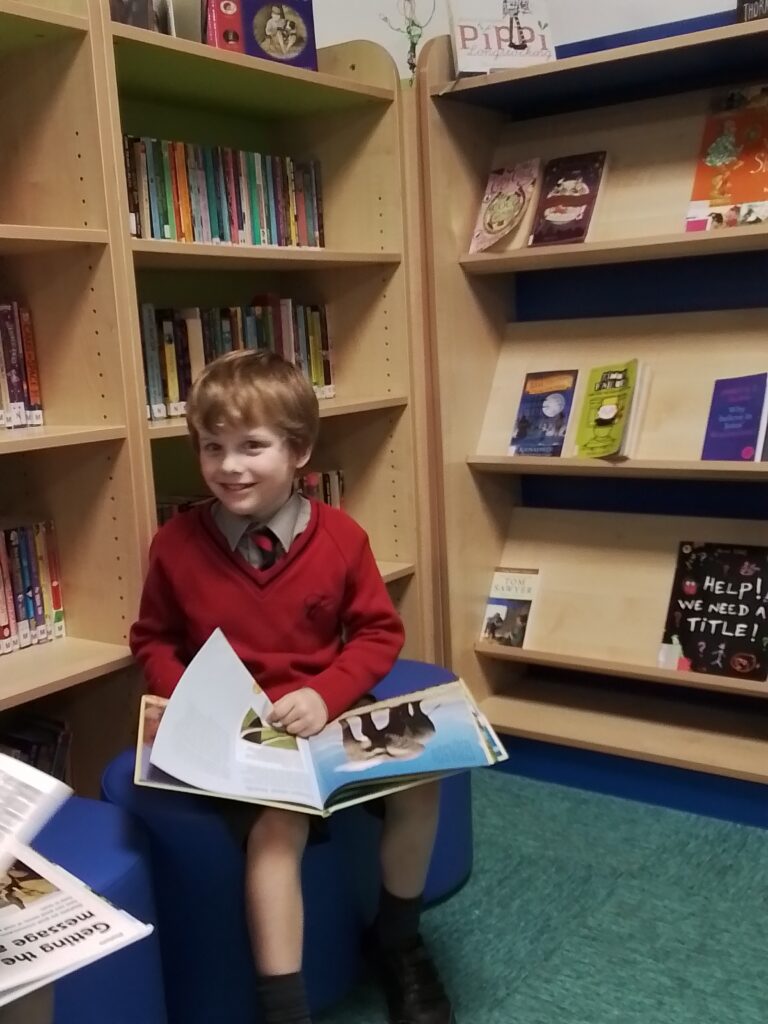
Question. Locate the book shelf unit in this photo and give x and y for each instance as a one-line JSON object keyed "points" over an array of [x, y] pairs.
{"points": [[71, 84], [587, 675]]}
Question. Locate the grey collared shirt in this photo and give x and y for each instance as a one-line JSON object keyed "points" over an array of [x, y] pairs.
{"points": [[290, 520]]}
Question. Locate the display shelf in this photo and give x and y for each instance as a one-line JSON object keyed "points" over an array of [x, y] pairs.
{"points": [[657, 67], [155, 67], [672, 469]]}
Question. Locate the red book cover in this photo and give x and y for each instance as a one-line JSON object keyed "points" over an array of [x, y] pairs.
{"points": [[224, 25], [569, 191]]}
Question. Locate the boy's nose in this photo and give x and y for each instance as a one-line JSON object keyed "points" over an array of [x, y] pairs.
{"points": [[230, 463]]}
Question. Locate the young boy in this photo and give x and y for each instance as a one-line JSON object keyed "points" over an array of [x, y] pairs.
{"points": [[294, 585]]}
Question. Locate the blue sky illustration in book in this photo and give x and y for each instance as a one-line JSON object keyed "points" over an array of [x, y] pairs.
{"points": [[717, 620], [426, 734]]}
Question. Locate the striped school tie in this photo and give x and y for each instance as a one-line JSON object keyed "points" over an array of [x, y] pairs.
{"points": [[265, 545]]}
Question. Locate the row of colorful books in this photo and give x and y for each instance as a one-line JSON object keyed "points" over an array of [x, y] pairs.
{"points": [[326, 486], [39, 741], [20, 399], [716, 621], [727, 189], [178, 343], [31, 608], [611, 411], [189, 193]]}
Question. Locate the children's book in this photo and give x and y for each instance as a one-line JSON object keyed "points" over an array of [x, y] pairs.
{"points": [[717, 620], [542, 417], [28, 798], [569, 192], [751, 10], [605, 410], [737, 419], [280, 32], [509, 606], [732, 167], [507, 197], [490, 35], [214, 738]]}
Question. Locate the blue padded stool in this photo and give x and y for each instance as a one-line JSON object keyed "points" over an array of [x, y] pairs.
{"points": [[198, 865], [102, 846], [451, 863]]}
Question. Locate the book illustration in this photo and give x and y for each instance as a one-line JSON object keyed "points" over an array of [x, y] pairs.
{"points": [[20, 886], [569, 191], [736, 423], [730, 186], [488, 35], [606, 409], [507, 197], [717, 619], [281, 32], [509, 605], [220, 743], [542, 416]]}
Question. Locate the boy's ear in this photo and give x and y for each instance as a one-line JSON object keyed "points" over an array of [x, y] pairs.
{"points": [[304, 459]]}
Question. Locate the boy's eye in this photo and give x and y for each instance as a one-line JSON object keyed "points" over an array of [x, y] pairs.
{"points": [[211, 447], [254, 446]]}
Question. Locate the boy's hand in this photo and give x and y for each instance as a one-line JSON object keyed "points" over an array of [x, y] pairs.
{"points": [[302, 713]]}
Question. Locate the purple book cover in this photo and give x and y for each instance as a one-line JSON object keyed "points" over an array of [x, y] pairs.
{"points": [[281, 32], [735, 419]]}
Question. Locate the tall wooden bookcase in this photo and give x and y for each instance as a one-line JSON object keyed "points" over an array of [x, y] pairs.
{"points": [[587, 675], [71, 83]]}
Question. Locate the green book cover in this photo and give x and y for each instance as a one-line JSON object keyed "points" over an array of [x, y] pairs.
{"points": [[605, 410]]}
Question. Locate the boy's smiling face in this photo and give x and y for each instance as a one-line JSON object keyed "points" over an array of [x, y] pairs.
{"points": [[249, 469]]}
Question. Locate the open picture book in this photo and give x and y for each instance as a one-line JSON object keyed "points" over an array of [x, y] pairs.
{"points": [[213, 738]]}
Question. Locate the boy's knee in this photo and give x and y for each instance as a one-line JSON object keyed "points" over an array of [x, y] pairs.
{"points": [[277, 829]]}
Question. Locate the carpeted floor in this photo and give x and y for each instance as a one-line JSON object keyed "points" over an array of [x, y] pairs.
{"points": [[585, 909]]}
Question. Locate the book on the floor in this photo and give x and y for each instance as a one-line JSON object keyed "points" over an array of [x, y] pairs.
{"points": [[751, 10], [507, 197], [509, 605], [717, 619], [216, 740], [728, 185], [489, 35], [569, 191], [606, 409], [28, 798], [52, 924], [542, 416], [737, 419]]}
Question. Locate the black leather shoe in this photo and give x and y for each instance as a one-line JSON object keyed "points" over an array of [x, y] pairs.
{"points": [[412, 986]]}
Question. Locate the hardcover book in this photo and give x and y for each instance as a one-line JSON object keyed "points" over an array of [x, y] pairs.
{"points": [[569, 192], [489, 35], [717, 620], [736, 425], [506, 199], [751, 10], [729, 182], [279, 32], [605, 410], [542, 418], [509, 606]]}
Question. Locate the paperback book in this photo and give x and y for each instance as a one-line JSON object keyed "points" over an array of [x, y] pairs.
{"points": [[542, 417], [491, 35], [509, 606], [279, 32], [569, 192], [506, 199], [737, 419], [717, 619], [605, 412], [217, 741]]}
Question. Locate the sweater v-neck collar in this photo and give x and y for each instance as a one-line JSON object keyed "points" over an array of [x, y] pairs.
{"points": [[261, 576]]}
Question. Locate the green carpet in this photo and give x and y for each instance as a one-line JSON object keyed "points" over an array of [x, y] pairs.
{"points": [[585, 909]]}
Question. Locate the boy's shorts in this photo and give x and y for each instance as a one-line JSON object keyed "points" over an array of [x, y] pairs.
{"points": [[241, 817]]}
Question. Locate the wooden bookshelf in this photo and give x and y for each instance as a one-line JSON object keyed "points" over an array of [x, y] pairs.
{"points": [[180, 255], [24, 25], [587, 674], [31, 439]]}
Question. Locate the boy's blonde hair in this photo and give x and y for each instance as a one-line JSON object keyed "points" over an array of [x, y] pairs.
{"points": [[254, 389]]}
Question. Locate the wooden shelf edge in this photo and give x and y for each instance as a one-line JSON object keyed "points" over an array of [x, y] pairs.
{"points": [[691, 747], [31, 439], [467, 88], [44, 16], [682, 469], [391, 571], [33, 233], [154, 252], [624, 250], [49, 668], [626, 670], [271, 69]]}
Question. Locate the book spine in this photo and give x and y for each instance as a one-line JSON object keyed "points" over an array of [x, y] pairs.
{"points": [[196, 345], [5, 399], [210, 193], [130, 181], [142, 186], [57, 601], [14, 364], [44, 571], [190, 158], [317, 198], [315, 348], [172, 199], [6, 596], [185, 200], [169, 362], [274, 238], [151, 347], [243, 196], [293, 217], [309, 210], [164, 194], [27, 334], [23, 623], [29, 558], [301, 212], [154, 188], [251, 160], [329, 387], [181, 343], [225, 218]]}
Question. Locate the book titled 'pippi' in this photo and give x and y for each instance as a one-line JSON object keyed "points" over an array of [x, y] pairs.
{"points": [[281, 32]]}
